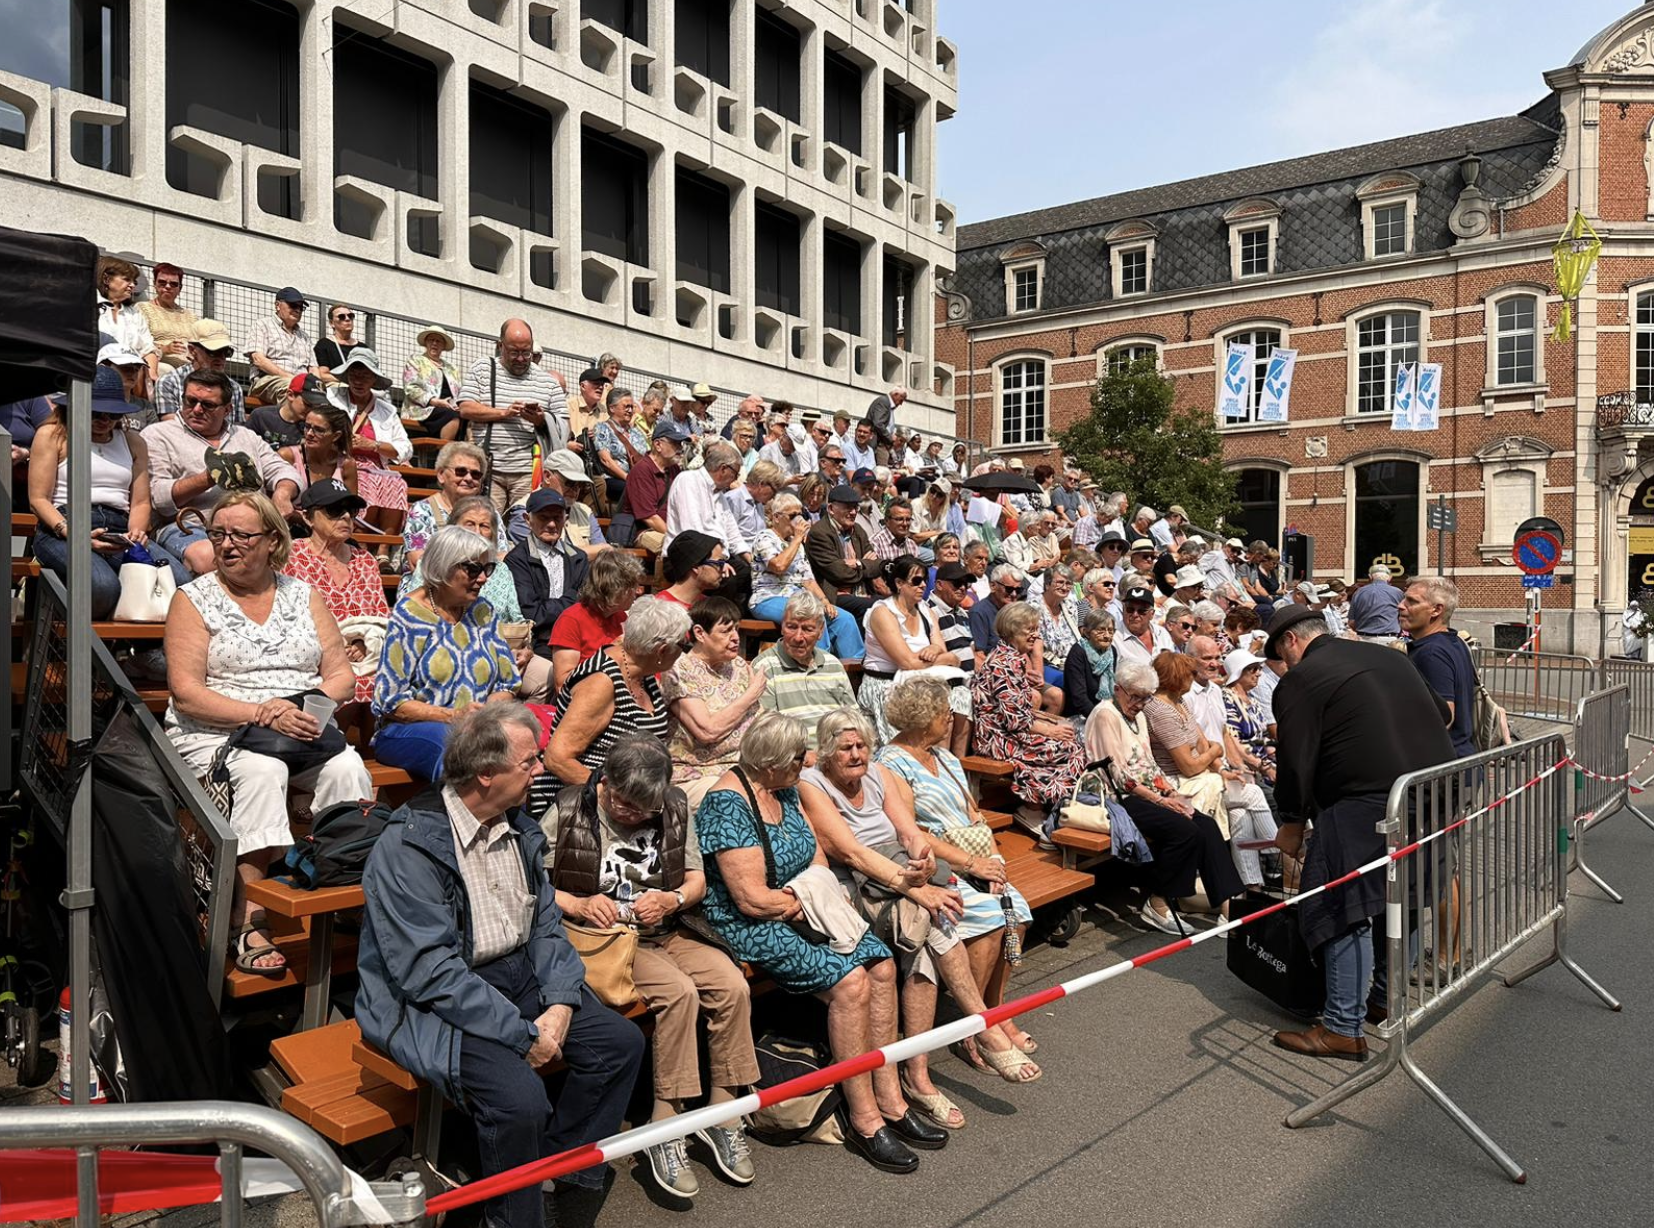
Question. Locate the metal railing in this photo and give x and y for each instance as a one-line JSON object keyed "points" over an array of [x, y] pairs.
{"points": [[50, 777], [340, 1199], [1543, 686], [1602, 771], [1638, 676], [1483, 889]]}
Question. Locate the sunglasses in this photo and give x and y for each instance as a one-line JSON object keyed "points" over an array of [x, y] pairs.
{"points": [[465, 471], [1184, 626], [168, 285], [201, 403], [344, 315], [473, 569]]}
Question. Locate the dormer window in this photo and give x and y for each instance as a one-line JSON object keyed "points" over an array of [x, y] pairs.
{"points": [[1254, 226], [1131, 257], [1389, 205], [1024, 267]]}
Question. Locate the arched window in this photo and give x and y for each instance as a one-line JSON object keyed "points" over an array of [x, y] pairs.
{"points": [[1259, 493], [1263, 342], [1382, 343], [1122, 356], [1022, 403], [1387, 516]]}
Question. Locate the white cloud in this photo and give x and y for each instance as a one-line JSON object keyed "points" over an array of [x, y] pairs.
{"points": [[1384, 68]]}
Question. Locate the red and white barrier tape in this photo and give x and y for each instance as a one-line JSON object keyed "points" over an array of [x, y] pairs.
{"points": [[630, 1142], [1511, 660], [1614, 780]]}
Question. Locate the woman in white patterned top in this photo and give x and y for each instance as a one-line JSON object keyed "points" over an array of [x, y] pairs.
{"points": [[243, 643]]}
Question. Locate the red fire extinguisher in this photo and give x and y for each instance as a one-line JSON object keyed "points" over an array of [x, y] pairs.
{"points": [[65, 1081]]}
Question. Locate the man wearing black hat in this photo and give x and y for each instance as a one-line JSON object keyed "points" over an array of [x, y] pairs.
{"points": [[546, 569], [1351, 719], [279, 348], [841, 554], [1141, 639], [647, 482], [947, 599]]}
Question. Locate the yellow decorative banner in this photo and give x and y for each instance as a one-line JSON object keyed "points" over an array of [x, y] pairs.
{"points": [[1642, 540], [1573, 256]]}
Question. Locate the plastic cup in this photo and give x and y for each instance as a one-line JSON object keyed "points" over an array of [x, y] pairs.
{"points": [[319, 708]]}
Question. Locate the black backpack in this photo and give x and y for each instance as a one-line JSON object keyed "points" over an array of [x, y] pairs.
{"points": [[807, 1119], [336, 851]]}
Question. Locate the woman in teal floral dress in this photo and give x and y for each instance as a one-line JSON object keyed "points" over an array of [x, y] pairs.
{"points": [[749, 903]]}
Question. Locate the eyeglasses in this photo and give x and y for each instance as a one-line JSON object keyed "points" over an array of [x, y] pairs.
{"points": [[234, 536], [168, 284], [344, 315], [474, 569], [465, 471], [310, 428], [201, 403], [637, 814]]}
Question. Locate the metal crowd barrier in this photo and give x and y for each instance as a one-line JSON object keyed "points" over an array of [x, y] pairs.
{"points": [[1602, 768], [1544, 686], [234, 1127], [50, 778], [1639, 677], [1480, 892]]}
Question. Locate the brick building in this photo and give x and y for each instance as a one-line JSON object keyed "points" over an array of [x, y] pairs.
{"points": [[1431, 248]]}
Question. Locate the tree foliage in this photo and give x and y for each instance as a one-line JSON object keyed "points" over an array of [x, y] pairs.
{"points": [[1137, 440]]}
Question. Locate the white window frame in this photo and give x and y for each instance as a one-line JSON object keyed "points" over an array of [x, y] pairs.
{"points": [[1026, 257], [1383, 191], [1640, 330], [1352, 332], [1111, 347], [1220, 352], [1239, 237], [1512, 454], [1123, 240], [1002, 368], [1248, 216], [1490, 324]]}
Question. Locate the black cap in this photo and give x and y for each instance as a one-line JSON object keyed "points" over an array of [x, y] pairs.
{"points": [[688, 551], [863, 477], [1283, 621], [330, 492], [287, 294], [954, 573], [593, 375], [1137, 592], [1111, 539], [543, 498], [844, 494]]}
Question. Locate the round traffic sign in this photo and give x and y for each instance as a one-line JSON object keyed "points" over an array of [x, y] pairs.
{"points": [[1537, 553]]}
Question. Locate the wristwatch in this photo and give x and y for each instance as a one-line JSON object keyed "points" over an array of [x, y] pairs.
{"points": [[682, 902]]}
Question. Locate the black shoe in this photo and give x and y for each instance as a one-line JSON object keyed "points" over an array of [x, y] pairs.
{"points": [[883, 1150], [916, 1133]]}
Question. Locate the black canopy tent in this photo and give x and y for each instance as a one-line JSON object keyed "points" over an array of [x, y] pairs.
{"points": [[48, 313]]}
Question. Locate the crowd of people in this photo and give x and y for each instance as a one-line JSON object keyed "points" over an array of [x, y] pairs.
{"points": [[599, 752]]}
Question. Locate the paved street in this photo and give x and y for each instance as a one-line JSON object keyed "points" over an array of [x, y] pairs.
{"points": [[1163, 1099]]}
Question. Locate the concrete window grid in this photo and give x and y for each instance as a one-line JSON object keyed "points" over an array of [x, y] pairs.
{"points": [[578, 71]]}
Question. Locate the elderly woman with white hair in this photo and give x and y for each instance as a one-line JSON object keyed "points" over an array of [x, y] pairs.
{"points": [[1186, 842], [443, 652], [460, 469], [862, 815], [614, 691], [1088, 673], [780, 572], [759, 853], [929, 775]]}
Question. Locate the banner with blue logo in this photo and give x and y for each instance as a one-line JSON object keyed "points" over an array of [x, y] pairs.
{"points": [[1235, 388], [1427, 397], [1404, 396], [1277, 386]]}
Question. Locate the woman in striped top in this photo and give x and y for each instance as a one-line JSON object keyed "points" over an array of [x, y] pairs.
{"points": [[610, 693]]}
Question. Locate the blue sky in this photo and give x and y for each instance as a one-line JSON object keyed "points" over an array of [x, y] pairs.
{"points": [[1071, 99]]}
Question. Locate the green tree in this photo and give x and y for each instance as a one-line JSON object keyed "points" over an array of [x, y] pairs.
{"points": [[1137, 440]]}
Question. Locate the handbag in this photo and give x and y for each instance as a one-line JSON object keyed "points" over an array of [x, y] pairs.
{"points": [[977, 839], [810, 1118], [622, 530], [1272, 957], [146, 593], [1087, 815], [298, 755], [607, 954]]}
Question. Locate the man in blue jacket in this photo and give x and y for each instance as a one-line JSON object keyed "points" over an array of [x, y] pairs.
{"points": [[467, 978]]}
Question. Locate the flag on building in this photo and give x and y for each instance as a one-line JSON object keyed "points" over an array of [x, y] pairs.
{"points": [[1403, 396], [1277, 386], [1235, 390], [1427, 397]]}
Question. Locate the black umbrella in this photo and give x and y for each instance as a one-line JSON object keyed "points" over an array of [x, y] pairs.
{"points": [[1003, 483]]}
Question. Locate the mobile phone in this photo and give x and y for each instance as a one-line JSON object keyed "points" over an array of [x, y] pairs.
{"points": [[118, 539]]}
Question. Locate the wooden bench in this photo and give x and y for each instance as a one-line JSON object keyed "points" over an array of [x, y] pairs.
{"points": [[314, 913], [1081, 849]]}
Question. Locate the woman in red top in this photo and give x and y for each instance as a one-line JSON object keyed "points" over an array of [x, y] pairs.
{"points": [[348, 579], [594, 622]]}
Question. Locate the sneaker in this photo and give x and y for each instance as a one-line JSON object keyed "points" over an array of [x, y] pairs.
{"points": [[729, 1152], [1165, 924], [669, 1163]]}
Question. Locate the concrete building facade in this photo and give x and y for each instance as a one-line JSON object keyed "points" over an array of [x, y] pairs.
{"points": [[1434, 248], [735, 191]]}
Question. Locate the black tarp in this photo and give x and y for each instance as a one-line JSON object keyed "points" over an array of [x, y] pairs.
{"points": [[48, 313], [148, 940]]}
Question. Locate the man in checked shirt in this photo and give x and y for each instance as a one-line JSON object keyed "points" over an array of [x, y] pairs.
{"points": [[467, 977]]}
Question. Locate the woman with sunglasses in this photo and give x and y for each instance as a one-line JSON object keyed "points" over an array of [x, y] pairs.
{"points": [[443, 652], [172, 327], [377, 437], [902, 636], [332, 350], [460, 469]]}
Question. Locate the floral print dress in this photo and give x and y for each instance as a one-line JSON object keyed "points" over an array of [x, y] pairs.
{"points": [[362, 592], [1004, 701]]}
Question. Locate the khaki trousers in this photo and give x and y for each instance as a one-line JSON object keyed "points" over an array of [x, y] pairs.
{"points": [[680, 978], [506, 489]]}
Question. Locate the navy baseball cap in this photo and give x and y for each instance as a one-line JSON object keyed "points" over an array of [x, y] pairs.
{"points": [[287, 294], [861, 476], [668, 427], [330, 492], [543, 498]]}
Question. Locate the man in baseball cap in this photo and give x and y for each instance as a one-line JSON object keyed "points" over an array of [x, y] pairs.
{"points": [[548, 571], [565, 473], [210, 349], [282, 426], [279, 348], [1169, 527]]}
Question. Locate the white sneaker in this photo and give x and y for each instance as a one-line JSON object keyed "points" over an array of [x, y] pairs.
{"points": [[669, 1164], [1165, 924]]}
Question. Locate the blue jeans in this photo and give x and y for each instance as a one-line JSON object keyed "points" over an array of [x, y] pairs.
{"points": [[179, 540], [1348, 960], [53, 553], [414, 746], [516, 1121], [840, 636]]}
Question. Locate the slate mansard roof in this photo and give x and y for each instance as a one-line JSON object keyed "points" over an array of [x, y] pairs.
{"points": [[1320, 220]]}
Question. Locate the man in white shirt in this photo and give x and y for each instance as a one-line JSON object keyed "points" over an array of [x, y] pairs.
{"points": [[1034, 547], [748, 501], [859, 452], [791, 453], [1141, 639], [692, 503], [1165, 531], [1218, 564]]}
